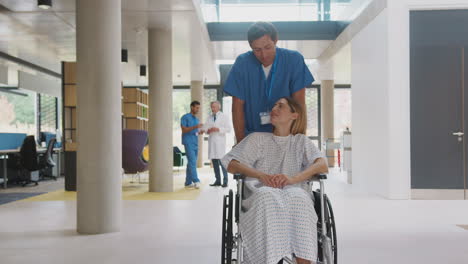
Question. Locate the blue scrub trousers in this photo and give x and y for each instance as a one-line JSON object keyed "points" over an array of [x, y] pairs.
{"points": [[191, 151]]}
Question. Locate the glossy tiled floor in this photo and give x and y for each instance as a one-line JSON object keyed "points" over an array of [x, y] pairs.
{"points": [[370, 229]]}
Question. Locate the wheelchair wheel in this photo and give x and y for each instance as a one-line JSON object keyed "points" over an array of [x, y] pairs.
{"points": [[331, 230], [327, 246], [227, 239]]}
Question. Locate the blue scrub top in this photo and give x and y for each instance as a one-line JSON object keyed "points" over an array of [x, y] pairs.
{"points": [[189, 138], [246, 81]]}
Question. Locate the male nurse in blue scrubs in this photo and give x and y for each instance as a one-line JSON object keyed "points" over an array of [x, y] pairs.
{"points": [[262, 76], [190, 125]]}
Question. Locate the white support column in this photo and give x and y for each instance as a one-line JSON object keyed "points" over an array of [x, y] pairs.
{"points": [[196, 92], [327, 103], [325, 73], [99, 155], [160, 109], [197, 78]]}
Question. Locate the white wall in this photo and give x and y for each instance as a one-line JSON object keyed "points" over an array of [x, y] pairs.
{"points": [[3, 75], [399, 151], [370, 107], [435, 4], [40, 84], [381, 109]]}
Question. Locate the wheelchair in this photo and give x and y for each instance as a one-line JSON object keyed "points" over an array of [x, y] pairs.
{"points": [[231, 244]]}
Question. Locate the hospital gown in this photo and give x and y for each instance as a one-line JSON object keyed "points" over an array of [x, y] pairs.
{"points": [[277, 222]]}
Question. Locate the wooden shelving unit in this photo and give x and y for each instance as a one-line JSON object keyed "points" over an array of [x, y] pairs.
{"points": [[135, 108], [69, 123], [134, 116], [69, 106]]}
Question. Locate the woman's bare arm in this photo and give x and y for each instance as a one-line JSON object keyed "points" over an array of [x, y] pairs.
{"points": [[319, 166]]}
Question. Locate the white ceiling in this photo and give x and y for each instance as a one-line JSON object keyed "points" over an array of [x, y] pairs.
{"points": [[47, 37]]}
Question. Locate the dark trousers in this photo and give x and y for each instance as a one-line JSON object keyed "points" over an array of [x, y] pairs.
{"points": [[216, 165]]}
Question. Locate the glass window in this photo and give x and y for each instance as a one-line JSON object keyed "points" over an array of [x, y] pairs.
{"points": [[312, 103], [342, 111], [209, 95], [18, 112], [180, 106], [48, 113], [267, 12], [181, 99], [280, 10]]}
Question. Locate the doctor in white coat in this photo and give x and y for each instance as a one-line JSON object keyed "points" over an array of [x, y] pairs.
{"points": [[216, 126]]}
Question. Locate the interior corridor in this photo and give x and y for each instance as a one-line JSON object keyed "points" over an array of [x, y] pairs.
{"points": [[370, 230]]}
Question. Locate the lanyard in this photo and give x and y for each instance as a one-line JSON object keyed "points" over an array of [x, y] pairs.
{"points": [[269, 86]]}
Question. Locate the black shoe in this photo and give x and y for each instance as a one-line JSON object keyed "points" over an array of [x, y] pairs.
{"points": [[215, 184], [224, 185]]}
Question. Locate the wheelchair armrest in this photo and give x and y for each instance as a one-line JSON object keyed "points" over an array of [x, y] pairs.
{"points": [[321, 176], [318, 177], [239, 176]]}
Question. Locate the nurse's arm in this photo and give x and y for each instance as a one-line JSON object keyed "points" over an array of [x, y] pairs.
{"points": [[188, 129], [299, 96], [238, 118]]}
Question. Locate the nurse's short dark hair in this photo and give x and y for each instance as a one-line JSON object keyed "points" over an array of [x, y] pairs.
{"points": [[194, 103], [260, 29]]}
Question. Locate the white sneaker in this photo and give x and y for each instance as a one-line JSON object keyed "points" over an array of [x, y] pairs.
{"points": [[196, 185], [190, 186]]}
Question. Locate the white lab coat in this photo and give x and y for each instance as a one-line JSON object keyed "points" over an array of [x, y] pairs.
{"points": [[217, 140]]}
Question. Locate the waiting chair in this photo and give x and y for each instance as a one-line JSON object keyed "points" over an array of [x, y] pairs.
{"points": [[133, 142], [178, 158], [145, 155]]}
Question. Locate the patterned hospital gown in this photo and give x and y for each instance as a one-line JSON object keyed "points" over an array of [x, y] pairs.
{"points": [[277, 222]]}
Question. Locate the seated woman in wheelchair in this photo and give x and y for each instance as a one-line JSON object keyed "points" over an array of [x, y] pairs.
{"points": [[279, 218]]}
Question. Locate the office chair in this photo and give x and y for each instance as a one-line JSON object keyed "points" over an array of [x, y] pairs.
{"points": [[29, 167], [46, 161]]}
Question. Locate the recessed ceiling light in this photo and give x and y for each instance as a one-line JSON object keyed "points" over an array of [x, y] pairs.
{"points": [[44, 4]]}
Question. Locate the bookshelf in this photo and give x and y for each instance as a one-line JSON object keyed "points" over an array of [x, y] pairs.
{"points": [[134, 116], [135, 108], [69, 123], [69, 106]]}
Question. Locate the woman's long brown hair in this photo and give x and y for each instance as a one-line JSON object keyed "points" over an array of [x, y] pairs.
{"points": [[299, 125]]}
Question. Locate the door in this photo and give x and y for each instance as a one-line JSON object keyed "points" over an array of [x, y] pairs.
{"points": [[439, 116], [437, 121]]}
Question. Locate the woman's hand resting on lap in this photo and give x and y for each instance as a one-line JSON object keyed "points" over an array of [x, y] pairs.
{"points": [[281, 180], [267, 180], [275, 181]]}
